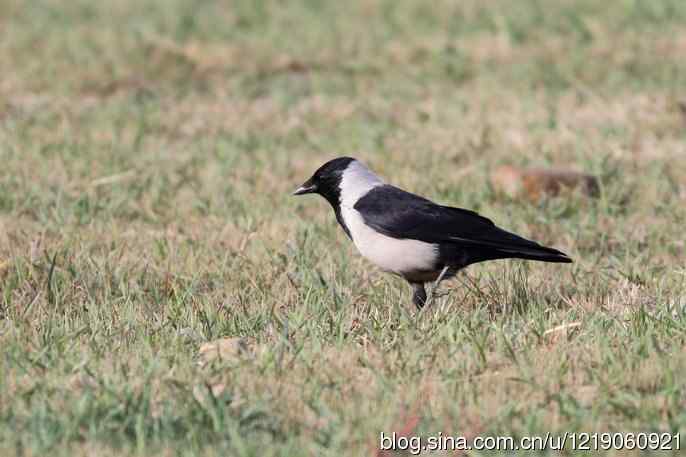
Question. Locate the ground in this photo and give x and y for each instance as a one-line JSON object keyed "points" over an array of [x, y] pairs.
{"points": [[148, 151]]}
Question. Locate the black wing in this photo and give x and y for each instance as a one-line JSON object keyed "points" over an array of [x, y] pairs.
{"points": [[400, 214]]}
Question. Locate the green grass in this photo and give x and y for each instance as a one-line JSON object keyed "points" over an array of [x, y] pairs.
{"points": [[147, 154]]}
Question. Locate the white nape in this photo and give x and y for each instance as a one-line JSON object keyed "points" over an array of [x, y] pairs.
{"points": [[356, 181]]}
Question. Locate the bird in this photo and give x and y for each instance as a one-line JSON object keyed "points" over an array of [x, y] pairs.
{"points": [[409, 235]]}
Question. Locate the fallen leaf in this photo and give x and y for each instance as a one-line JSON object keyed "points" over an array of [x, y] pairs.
{"points": [[534, 183], [226, 349], [554, 333]]}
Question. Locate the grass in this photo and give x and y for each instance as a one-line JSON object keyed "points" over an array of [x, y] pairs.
{"points": [[148, 150]]}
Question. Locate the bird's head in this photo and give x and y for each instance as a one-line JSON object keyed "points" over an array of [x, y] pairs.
{"points": [[326, 181]]}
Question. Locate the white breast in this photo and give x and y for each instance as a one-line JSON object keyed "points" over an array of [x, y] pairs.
{"points": [[400, 256]]}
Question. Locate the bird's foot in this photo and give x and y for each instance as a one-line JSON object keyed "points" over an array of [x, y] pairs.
{"points": [[419, 295], [433, 295]]}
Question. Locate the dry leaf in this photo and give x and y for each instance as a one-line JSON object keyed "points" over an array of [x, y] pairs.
{"points": [[226, 349], [534, 183]]}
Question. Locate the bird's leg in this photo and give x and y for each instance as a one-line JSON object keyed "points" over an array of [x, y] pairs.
{"points": [[434, 288], [419, 295]]}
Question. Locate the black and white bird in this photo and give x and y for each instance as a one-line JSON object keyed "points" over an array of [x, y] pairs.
{"points": [[411, 236]]}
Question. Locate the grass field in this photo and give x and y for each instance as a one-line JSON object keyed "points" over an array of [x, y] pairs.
{"points": [[147, 155]]}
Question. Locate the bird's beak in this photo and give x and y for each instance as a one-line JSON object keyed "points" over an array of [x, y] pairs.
{"points": [[306, 188]]}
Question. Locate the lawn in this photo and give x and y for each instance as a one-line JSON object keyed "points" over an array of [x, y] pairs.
{"points": [[148, 150]]}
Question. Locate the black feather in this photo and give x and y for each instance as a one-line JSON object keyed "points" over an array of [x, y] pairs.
{"points": [[463, 236]]}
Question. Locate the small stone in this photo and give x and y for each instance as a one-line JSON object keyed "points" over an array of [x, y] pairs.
{"points": [[534, 183]]}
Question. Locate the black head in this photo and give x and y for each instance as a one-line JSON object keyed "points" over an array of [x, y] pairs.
{"points": [[326, 180]]}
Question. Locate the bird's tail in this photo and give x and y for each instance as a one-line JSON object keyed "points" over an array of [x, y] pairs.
{"points": [[540, 253], [500, 244]]}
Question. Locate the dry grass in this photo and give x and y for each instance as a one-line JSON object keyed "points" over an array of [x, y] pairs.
{"points": [[148, 150]]}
